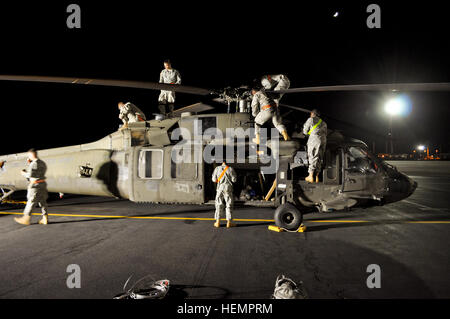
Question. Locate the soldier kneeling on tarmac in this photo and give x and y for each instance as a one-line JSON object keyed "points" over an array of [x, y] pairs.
{"points": [[224, 176]]}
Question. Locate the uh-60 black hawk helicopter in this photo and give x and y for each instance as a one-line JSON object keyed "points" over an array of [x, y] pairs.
{"points": [[137, 163]]}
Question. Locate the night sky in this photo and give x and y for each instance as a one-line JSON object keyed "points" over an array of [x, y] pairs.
{"points": [[216, 44]]}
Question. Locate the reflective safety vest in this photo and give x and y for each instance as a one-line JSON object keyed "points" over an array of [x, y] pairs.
{"points": [[314, 127]]}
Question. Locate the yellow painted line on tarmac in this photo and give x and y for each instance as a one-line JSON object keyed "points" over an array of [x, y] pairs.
{"points": [[7, 201], [338, 221], [211, 219], [139, 217]]}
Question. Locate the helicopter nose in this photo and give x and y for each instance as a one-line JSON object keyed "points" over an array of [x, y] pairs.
{"points": [[408, 185], [400, 187], [413, 186]]}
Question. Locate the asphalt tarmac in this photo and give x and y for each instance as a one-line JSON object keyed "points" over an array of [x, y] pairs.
{"points": [[112, 239]]}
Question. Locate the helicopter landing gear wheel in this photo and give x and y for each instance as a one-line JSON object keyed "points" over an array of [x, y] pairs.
{"points": [[287, 216]]}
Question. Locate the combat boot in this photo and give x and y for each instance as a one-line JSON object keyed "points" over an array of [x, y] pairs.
{"points": [[24, 220], [125, 126], [171, 108], [256, 140], [162, 109], [217, 223], [317, 178], [44, 220], [285, 136], [230, 224], [310, 178]]}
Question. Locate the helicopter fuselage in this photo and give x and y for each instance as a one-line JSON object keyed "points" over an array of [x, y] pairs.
{"points": [[137, 164]]}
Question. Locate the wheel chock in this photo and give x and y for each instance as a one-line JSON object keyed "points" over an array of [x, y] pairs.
{"points": [[277, 229]]}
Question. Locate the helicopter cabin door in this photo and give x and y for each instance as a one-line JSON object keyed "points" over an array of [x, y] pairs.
{"points": [[158, 178]]}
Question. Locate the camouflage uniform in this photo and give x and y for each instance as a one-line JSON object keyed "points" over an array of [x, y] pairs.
{"points": [[264, 109], [37, 189], [224, 192], [170, 76], [130, 113], [317, 142], [276, 82]]}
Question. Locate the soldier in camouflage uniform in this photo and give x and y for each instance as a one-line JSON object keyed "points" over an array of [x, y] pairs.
{"points": [[168, 76], [316, 129], [224, 176], [130, 113], [264, 109], [37, 189], [275, 83]]}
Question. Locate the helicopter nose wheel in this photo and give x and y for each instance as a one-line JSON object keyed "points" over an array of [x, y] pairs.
{"points": [[287, 216]]}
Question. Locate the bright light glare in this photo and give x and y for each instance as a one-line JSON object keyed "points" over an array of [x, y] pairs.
{"points": [[421, 147], [394, 107], [399, 105], [336, 14]]}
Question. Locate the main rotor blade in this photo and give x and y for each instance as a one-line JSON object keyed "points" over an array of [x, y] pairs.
{"points": [[335, 120], [115, 83], [394, 87], [296, 108], [195, 108]]}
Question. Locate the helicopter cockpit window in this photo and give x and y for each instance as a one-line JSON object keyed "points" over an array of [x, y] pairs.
{"points": [[358, 161], [150, 164]]}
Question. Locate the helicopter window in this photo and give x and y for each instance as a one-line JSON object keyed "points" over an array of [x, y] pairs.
{"points": [[184, 170], [358, 161], [150, 164], [207, 122], [331, 163]]}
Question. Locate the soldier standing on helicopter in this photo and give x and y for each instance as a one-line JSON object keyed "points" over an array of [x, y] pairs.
{"points": [[316, 129], [224, 176], [168, 76]]}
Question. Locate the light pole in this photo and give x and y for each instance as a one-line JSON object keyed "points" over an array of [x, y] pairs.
{"points": [[391, 144], [421, 149], [395, 106]]}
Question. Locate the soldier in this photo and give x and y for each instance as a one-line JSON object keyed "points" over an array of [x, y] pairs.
{"points": [[224, 176], [264, 109], [317, 131], [37, 189], [168, 76], [275, 83], [130, 113]]}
